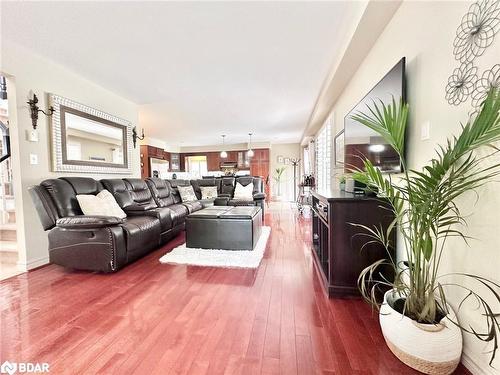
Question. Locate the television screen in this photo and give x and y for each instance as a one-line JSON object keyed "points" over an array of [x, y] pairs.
{"points": [[361, 142]]}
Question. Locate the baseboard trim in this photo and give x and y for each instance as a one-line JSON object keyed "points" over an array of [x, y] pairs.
{"points": [[471, 365], [34, 263]]}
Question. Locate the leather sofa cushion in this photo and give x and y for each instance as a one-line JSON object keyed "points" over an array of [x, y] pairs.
{"points": [[164, 214], [140, 193], [119, 190], [83, 185], [142, 233], [178, 213], [193, 206], [63, 196], [161, 191], [227, 186], [44, 205]]}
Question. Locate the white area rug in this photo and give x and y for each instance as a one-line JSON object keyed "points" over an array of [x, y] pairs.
{"points": [[219, 258]]}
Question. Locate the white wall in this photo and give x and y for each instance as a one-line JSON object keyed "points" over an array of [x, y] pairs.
{"points": [[424, 33], [287, 150], [26, 72]]}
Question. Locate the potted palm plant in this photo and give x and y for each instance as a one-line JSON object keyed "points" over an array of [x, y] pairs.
{"points": [[418, 324], [278, 177]]}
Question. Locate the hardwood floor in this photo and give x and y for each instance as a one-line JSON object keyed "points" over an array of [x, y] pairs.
{"points": [[152, 318]]}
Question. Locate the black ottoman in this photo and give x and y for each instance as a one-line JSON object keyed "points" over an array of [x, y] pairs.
{"points": [[223, 227]]}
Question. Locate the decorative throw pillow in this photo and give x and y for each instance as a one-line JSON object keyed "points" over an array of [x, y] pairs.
{"points": [[208, 192], [187, 193], [103, 204], [243, 192]]}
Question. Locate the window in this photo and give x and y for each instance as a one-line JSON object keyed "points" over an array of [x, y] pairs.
{"points": [[324, 156], [306, 161], [196, 165], [74, 151]]}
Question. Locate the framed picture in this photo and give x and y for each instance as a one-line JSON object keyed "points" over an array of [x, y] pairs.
{"points": [[287, 161], [339, 149], [280, 159]]}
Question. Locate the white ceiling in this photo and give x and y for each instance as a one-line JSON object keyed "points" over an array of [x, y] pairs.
{"points": [[197, 69]]}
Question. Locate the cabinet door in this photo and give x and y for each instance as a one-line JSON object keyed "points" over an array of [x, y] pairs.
{"points": [[144, 161], [232, 156], [241, 160], [175, 162], [213, 161]]}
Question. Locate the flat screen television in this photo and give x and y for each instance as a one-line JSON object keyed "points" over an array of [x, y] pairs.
{"points": [[361, 142]]}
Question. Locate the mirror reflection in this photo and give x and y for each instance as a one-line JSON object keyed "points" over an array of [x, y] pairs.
{"points": [[91, 140]]}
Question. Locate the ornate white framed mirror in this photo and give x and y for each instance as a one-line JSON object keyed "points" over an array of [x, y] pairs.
{"points": [[87, 140]]}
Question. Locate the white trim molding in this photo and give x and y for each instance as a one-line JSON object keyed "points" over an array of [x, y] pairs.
{"points": [[33, 263], [472, 365]]}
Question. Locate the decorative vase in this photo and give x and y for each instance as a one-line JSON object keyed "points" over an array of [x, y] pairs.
{"points": [[342, 186], [428, 348]]}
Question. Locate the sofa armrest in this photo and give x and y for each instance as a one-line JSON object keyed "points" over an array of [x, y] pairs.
{"points": [[136, 209], [259, 196], [221, 201], [87, 222]]}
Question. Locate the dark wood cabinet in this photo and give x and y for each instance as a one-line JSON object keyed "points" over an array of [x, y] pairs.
{"points": [[148, 152], [341, 250], [259, 166], [213, 161], [145, 172]]}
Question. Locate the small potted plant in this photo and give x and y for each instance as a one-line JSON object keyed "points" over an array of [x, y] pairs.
{"points": [[418, 324], [278, 177], [342, 180]]}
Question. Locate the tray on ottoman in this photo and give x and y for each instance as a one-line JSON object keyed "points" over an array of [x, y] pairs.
{"points": [[223, 227]]}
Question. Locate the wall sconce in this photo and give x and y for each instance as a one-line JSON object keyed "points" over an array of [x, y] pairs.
{"points": [[135, 136], [34, 111]]}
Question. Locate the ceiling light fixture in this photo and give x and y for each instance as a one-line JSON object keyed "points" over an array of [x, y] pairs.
{"points": [[223, 153], [376, 148], [250, 152]]}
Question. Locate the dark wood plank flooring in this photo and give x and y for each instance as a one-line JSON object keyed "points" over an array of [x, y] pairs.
{"points": [[151, 318]]}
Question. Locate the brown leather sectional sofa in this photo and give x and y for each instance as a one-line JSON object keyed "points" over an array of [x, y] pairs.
{"points": [[155, 214]]}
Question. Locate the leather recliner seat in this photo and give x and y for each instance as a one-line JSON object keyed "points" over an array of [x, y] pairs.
{"points": [[166, 196], [96, 243], [134, 197]]}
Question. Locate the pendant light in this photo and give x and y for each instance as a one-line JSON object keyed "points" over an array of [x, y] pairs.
{"points": [[250, 152], [223, 153]]}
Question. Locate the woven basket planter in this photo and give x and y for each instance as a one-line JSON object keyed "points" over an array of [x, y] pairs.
{"points": [[428, 348]]}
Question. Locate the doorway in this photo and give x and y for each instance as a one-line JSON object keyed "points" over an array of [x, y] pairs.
{"points": [[8, 235]]}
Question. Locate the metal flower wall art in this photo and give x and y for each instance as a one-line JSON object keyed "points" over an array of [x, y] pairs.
{"points": [[475, 33], [489, 79], [477, 30], [461, 84]]}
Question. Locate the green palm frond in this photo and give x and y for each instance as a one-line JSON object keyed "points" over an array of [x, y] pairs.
{"points": [[424, 205]]}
